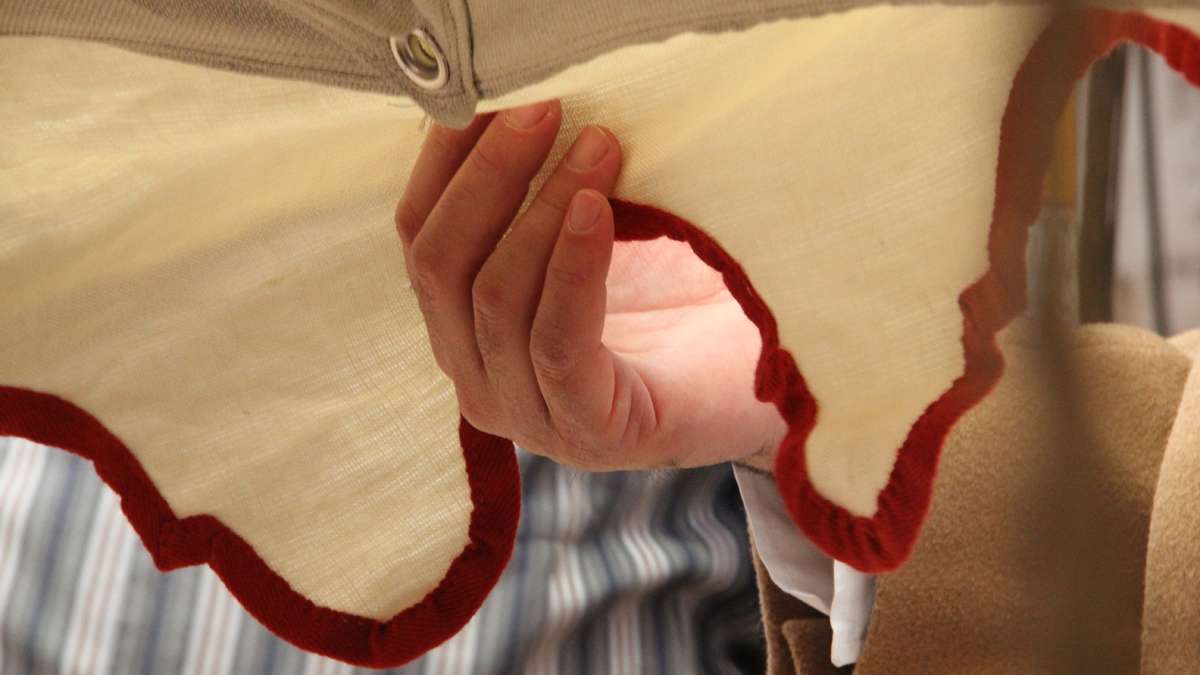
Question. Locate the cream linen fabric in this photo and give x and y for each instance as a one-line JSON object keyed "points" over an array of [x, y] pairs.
{"points": [[205, 260], [841, 156], [1187, 17]]}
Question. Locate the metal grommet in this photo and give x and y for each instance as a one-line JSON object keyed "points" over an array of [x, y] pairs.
{"points": [[420, 59]]}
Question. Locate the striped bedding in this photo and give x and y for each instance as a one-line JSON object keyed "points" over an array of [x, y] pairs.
{"points": [[612, 573]]}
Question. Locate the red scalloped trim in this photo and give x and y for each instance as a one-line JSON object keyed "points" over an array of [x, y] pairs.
{"points": [[1039, 94], [173, 542], [874, 544]]}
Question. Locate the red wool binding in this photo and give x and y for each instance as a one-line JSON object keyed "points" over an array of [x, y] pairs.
{"points": [[174, 542], [879, 543], [1039, 94]]}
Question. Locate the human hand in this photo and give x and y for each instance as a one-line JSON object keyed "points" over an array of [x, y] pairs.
{"points": [[599, 357]]}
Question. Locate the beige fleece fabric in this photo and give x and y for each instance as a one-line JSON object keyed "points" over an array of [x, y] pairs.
{"points": [[1021, 571], [1171, 627], [1032, 558], [797, 636]]}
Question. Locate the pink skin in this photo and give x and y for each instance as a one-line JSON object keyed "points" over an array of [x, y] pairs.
{"points": [[599, 357]]}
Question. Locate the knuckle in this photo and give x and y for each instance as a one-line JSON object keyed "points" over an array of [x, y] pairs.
{"points": [[468, 409], [566, 276], [555, 197], [425, 254], [489, 305], [440, 141], [532, 434], [426, 262], [486, 160], [490, 350], [475, 193], [480, 415], [489, 293], [426, 302], [582, 452], [553, 359], [407, 220], [444, 363]]}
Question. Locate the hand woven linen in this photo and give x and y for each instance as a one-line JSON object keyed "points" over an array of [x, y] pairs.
{"points": [[200, 277]]}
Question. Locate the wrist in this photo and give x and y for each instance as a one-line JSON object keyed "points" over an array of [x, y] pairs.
{"points": [[762, 461]]}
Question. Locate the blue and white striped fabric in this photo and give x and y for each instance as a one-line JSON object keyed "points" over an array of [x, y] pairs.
{"points": [[612, 573]]}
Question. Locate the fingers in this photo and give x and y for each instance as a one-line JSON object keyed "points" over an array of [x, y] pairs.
{"points": [[480, 201], [473, 211], [480, 290], [575, 372], [509, 285], [441, 154]]}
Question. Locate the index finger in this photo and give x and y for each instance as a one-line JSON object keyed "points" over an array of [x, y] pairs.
{"points": [[444, 150]]}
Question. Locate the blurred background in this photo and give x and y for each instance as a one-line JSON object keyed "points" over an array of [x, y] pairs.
{"points": [[1119, 239], [1157, 273]]}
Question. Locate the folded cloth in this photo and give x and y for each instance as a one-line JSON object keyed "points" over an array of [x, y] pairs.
{"points": [[1171, 615], [800, 569], [1027, 565], [995, 582]]}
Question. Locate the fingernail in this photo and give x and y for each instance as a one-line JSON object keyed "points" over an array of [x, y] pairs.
{"points": [[588, 150], [527, 116], [584, 211]]}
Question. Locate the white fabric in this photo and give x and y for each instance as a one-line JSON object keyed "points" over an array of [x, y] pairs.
{"points": [[803, 571]]}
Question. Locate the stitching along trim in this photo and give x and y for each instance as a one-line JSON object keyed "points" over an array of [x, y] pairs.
{"points": [[173, 542], [1040, 91], [882, 542]]}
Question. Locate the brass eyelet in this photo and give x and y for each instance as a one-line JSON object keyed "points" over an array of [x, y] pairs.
{"points": [[420, 58]]}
